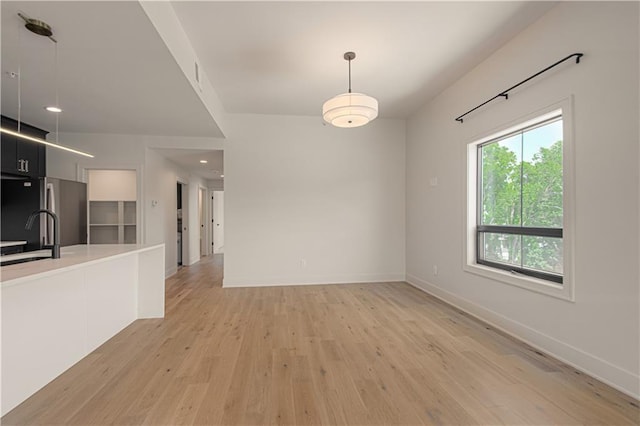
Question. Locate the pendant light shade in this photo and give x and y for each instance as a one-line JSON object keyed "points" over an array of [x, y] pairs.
{"points": [[350, 109]]}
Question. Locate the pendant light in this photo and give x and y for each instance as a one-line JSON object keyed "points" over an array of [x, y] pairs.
{"points": [[350, 109], [42, 29]]}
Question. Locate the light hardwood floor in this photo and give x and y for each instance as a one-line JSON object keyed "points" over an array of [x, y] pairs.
{"points": [[337, 354]]}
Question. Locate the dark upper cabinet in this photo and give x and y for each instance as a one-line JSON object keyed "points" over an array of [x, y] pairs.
{"points": [[21, 157], [9, 152]]}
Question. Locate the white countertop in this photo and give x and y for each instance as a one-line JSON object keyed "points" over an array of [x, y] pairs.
{"points": [[71, 257], [12, 243]]}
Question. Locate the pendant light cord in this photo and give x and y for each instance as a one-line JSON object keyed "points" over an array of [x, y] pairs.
{"points": [[20, 82], [56, 83], [349, 75], [19, 77]]}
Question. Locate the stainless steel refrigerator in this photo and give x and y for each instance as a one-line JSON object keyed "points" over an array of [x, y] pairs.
{"points": [[67, 199]]}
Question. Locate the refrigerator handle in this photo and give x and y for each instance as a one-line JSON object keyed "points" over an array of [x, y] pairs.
{"points": [[50, 205], [51, 198]]}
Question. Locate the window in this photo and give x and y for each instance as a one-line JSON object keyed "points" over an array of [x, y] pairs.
{"points": [[519, 220], [517, 204]]}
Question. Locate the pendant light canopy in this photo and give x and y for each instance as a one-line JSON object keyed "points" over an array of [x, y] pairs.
{"points": [[350, 109]]}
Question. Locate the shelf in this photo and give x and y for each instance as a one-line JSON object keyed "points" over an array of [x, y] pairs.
{"points": [[103, 212], [129, 212], [112, 222], [129, 235], [104, 235]]}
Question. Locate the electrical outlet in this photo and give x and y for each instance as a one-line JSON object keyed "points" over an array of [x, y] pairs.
{"points": [[435, 269], [303, 263]]}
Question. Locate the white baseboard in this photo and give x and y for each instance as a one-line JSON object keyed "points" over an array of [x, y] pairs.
{"points": [[169, 272], [623, 380], [273, 281]]}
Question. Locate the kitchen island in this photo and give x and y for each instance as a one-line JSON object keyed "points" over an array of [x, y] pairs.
{"points": [[57, 311]]}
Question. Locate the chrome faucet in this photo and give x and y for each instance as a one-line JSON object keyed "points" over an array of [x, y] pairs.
{"points": [[55, 249]]}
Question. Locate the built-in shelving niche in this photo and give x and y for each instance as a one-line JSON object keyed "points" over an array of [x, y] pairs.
{"points": [[112, 207], [112, 222]]}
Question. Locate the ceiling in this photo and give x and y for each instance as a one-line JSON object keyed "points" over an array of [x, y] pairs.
{"points": [[287, 57], [115, 74], [190, 159]]}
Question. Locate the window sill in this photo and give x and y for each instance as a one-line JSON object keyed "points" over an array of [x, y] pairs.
{"points": [[535, 285]]}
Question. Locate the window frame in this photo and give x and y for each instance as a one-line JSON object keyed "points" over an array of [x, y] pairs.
{"points": [[530, 280]]}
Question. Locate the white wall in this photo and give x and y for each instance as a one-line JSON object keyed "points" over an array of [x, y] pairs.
{"points": [[110, 151], [109, 185], [308, 203], [160, 206], [215, 184], [600, 331], [169, 28], [161, 176]]}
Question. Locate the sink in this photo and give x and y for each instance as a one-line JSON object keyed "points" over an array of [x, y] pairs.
{"points": [[28, 259]]}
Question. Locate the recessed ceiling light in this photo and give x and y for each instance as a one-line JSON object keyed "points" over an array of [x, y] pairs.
{"points": [[221, 176], [204, 161], [53, 109]]}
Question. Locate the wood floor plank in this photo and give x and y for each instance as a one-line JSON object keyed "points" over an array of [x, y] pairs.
{"points": [[281, 409], [356, 354]]}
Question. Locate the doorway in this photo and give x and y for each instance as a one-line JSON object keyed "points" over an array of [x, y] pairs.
{"points": [[179, 223]]}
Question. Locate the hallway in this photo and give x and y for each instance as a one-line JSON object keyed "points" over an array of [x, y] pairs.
{"points": [[355, 354]]}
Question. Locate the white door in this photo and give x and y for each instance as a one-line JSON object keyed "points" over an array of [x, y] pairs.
{"points": [[202, 196], [218, 221]]}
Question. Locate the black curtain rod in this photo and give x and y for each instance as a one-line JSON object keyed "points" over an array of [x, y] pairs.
{"points": [[505, 93]]}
